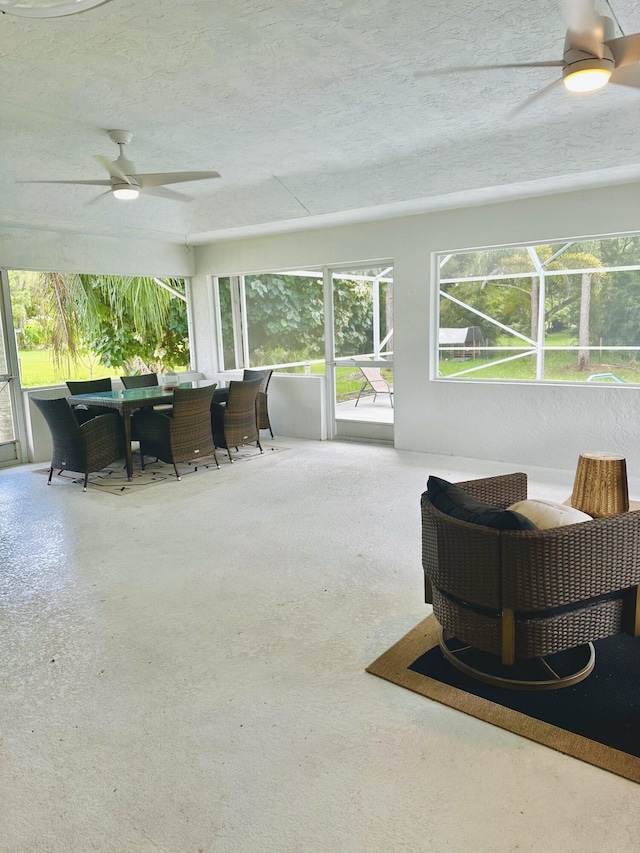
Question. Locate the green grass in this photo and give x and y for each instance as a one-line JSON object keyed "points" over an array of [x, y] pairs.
{"points": [[349, 380], [558, 366], [37, 369]]}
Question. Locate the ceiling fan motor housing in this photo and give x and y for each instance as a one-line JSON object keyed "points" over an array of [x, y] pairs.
{"points": [[579, 60]]}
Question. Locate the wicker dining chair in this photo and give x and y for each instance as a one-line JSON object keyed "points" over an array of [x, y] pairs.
{"points": [[81, 446], [521, 595], [182, 434], [262, 400], [86, 411], [141, 380], [234, 423]]}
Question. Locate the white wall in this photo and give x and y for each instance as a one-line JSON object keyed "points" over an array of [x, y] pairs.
{"points": [[54, 251], [546, 425]]}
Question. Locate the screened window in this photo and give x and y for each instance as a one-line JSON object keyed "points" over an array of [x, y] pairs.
{"points": [[556, 312]]}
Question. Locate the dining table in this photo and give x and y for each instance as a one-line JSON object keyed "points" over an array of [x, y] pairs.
{"points": [[126, 401]]}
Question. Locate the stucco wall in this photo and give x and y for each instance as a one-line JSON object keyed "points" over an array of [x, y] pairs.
{"points": [[529, 424], [56, 251]]}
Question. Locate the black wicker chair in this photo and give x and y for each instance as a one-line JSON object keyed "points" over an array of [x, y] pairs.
{"points": [[81, 447], [86, 411], [519, 596], [262, 400], [182, 434], [234, 423], [142, 380]]}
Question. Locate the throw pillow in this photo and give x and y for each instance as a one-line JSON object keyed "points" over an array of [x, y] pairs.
{"points": [[548, 514], [453, 501]]}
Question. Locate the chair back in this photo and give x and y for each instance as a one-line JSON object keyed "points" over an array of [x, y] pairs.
{"points": [[242, 395], [263, 375], [193, 405], [89, 386], [374, 377], [142, 380], [60, 419]]}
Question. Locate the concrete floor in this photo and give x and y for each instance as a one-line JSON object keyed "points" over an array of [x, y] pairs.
{"points": [[183, 670], [380, 411]]}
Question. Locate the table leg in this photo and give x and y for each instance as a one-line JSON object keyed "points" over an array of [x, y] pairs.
{"points": [[126, 416]]}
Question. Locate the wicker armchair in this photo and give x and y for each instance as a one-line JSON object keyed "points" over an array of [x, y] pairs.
{"points": [[521, 595], [182, 434], [234, 423], [84, 411], [262, 400], [82, 447]]}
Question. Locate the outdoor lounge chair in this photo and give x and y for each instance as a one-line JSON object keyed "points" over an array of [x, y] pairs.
{"points": [[374, 379], [82, 447]]}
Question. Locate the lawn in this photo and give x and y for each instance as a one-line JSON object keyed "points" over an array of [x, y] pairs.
{"points": [[558, 366], [37, 369]]}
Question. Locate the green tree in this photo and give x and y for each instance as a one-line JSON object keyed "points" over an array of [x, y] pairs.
{"points": [[123, 320]]}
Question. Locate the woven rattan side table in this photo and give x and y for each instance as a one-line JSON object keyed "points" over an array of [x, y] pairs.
{"points": [[600, 487]]}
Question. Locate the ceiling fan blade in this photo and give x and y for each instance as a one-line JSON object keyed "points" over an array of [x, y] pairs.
{"points": [[158, 179], [536, 96], [628, 76], [114, 170], [162, 192], [98, 197], [76, 183], [553, 63], [625, 50]]}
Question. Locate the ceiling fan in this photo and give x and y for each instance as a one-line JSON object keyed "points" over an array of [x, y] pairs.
{"points": [[592, 57], [126, 184]]}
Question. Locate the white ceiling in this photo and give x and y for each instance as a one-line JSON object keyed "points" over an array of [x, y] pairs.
{"points": [[309, 109]]}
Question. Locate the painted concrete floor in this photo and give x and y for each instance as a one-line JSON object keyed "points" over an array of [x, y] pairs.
{"points": [[183, 670]]}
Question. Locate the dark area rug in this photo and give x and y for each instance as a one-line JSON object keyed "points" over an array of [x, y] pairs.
{"points": [[596, 720], [114, 478]]}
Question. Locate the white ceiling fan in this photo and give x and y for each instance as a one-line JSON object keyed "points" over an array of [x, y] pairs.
{"points": [[125, 183], [592, 57]]}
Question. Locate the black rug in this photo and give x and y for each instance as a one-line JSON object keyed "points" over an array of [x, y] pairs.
{"points": [[596, 720]]}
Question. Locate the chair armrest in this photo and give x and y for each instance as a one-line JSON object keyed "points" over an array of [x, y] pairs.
{"points": [[501, 491], [100, 424], [552, 568]]}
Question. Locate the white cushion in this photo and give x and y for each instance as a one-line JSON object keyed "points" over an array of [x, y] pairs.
{"points": [[547, 514]]}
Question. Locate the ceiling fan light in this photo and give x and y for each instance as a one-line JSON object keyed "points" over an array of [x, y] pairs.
{"points": [[125, 192], [587, 79], [47, 8]]}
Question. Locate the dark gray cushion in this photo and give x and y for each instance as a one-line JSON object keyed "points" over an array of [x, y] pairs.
{"points": [[453, 501]]}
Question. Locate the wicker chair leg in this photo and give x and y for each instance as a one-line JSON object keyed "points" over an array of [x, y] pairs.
{"points": [[86, 480], [230, 456], [632, 611], [259, 445], [175, 468], [428, 590], [50, 473], [508, 637], [270, 430]]}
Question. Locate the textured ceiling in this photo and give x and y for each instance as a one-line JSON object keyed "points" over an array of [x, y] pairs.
{"points": [[307, 108]]}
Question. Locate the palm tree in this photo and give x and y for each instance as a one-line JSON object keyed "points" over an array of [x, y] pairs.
{"points": [[118, 317]]}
